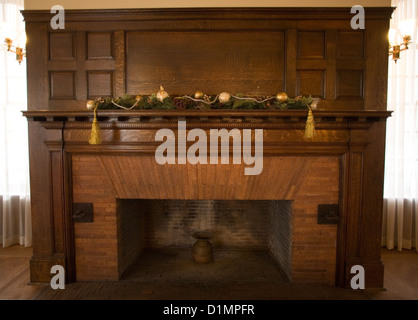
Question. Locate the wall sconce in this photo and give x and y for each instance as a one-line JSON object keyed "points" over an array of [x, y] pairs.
{"points": [[402, 31], [20, 52], [395, 50]]}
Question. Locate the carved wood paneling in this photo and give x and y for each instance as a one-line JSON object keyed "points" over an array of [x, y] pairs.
{"points": [[62, 84], [350, 84], [100, 84], [100, 45], [62, 46], [210, 51], [351, 45], [311, 82], [311, 44], [233, 61]]}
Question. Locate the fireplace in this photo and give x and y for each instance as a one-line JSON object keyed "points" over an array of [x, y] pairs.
{"points": [[315, 208], [244, 217], [245, 225]]}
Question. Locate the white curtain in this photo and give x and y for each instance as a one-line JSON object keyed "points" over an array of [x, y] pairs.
{"points": [[15, 218], [400, 214]]}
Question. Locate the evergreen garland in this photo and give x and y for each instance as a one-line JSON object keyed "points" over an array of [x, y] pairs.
{"points": [[238, 102]]}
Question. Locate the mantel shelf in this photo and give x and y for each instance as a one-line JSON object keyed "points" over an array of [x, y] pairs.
{"points": [[207, 116]]}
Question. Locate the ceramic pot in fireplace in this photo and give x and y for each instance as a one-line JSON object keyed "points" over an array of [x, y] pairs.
{"points": [[202, 249]]}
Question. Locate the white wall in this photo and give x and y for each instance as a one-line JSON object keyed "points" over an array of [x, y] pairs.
{"points": [[120, 4]]}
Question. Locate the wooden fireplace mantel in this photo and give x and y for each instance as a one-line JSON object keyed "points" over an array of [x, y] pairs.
{"points": [[256, 51], [346, 134], [146, 119], [131, 126], [244, 115]]}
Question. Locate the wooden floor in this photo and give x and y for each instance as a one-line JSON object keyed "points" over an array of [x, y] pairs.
{"points": [[401, 283]]}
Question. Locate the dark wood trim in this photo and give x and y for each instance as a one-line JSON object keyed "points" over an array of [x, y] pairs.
{"points": [[273, 120], [68, 220], [120, 63], [274, 13], [352, 114], [342, 223], [291, 60]]}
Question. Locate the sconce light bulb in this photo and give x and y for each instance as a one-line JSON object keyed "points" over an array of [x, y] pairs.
{"points": [[407, 26], [392, 36]]}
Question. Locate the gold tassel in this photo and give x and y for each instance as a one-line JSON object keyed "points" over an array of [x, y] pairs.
{"points": [[310, 125], [95, 130]]}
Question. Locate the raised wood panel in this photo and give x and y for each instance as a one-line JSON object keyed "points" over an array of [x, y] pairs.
{"points": [[237, 62], [350, 84], [331, 53], [311, 45], [42, 222], [120, 64], [100, 45], [100, 84], [58, 198], [61, 46], [350, 44], [39, 82], [376, 70], [81, 67], [354, 204], [311, 82], [291, 59], [62, 85], [372, 206]]}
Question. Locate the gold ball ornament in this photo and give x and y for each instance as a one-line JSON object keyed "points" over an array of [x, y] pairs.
{"points": [[162, 94], [282, 97], [224, 97], [138, 98], [90, 105], [198, 95]]}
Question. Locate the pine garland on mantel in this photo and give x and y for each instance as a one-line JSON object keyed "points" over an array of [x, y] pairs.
{"points": [[163, 101], [200, 101]]}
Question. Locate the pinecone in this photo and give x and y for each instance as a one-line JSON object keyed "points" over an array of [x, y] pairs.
{"points": [[261, 98], [207, 98], [180, 104]]}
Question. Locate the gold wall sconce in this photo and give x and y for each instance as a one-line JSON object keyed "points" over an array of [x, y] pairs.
{"points": [[20, 52], [395, 50], [402, 30]]}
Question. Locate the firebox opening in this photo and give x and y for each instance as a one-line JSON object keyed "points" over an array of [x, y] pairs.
{"points": [[155, 239]]}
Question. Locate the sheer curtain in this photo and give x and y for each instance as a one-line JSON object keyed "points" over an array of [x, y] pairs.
{"points": [[400, 214], [15, 219]]}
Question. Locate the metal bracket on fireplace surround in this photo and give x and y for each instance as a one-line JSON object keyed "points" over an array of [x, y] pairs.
{"points": [[83, 212], [328, 213]]}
